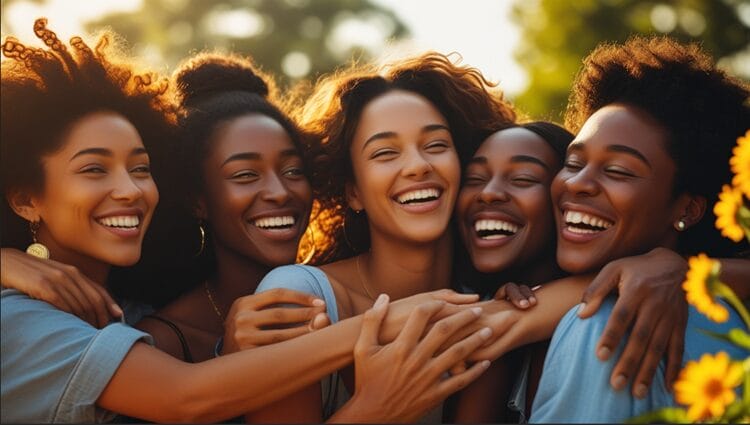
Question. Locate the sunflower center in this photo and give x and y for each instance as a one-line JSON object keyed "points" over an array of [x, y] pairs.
{"points": [[714, 388]]}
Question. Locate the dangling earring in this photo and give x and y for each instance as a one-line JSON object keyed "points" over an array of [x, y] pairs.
{"points": [[36, 249], [203, 238], [346, 237], [680, 225]]}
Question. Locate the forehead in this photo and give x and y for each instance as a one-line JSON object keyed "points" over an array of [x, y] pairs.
{"points": [[625, 125], [398, 111], [101, 130], [251, 133], [505, 144]]}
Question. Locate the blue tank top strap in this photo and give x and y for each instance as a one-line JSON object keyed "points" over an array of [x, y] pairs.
{"points": [[325, 287]]}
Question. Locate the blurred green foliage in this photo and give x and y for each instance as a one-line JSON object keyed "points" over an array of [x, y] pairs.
{"points": [[290, 38], [557, 35]]}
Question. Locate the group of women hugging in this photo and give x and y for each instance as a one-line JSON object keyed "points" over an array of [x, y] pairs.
{"points": [[461, 263]]}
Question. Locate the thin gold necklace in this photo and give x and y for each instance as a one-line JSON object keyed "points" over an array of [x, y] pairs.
{"points": [[211, 300], [363, 280]]}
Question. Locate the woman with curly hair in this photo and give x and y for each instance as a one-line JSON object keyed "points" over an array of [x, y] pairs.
{"points": [[656, 122], [83, 182], [386, 175]]}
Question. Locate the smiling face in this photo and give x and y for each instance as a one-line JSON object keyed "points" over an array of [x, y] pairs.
{"points": [[614, 196], [406, 168], [504, 210], [257, 198], [98, 195]]}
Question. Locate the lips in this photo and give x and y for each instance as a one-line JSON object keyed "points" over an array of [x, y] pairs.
{"points": [[124, 223], [582, 224], [279, 225]]}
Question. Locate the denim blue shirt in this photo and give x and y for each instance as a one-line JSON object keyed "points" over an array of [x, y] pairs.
{"points": [[54, 365]]}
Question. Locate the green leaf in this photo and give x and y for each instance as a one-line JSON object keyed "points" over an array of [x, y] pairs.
{"points": [[735, 336], [736, 411], [675, 415]]}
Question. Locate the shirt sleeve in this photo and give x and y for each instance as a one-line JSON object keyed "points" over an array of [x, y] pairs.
{"points": [[307, 279], [54, 365]]}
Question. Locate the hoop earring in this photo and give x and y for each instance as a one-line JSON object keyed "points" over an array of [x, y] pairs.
{"points": [[36, 249], [681, 225], [203, 238], [313, 247]]}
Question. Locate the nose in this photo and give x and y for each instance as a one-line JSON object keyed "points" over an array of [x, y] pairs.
{"points": [[274, 190], [583, 182], [126, 187], [493, 191], [416, 165]]}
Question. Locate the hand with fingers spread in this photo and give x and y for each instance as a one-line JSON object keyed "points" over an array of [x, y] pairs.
{"points": [[402, 380], [652, 305], [61, 285], [521, 296], [257, 319]]}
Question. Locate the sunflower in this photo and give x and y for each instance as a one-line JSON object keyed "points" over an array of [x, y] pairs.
{"points": [[707, 385], [740, 163], [701, 274], [726, 210]]}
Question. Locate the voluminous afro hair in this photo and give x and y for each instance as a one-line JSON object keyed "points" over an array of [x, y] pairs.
{"points": [[472, 106], [46, 90], [702, 109]]}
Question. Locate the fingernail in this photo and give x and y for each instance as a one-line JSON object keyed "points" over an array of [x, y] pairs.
{"points": [[532, 300], [484, 364], [524, 303], [117, 310], [603, 353], [382, 299], [619, 382], [581, 306], [477, 310], [318, 302], [485, 333], [640, 391]]}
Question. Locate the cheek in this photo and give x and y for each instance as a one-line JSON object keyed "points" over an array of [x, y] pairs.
{"points": [[465, 196]]}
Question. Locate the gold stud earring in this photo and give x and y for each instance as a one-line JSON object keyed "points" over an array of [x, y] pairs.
{"points": [[36, 249]]}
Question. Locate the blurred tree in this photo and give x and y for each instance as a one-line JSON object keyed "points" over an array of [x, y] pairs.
{"points": [[557, 35], [291, 38]]}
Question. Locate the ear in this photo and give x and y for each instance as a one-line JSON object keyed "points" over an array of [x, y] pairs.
{"points": [[691, 210], [353, 198], [200, 211], [23, 204]]}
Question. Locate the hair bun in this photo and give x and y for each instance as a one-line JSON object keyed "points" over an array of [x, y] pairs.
{"points": [[208, 73]]}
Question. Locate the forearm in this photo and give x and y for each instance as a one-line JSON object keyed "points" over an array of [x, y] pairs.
{"points": [[521, 327], [152, 385], [735, 272]]}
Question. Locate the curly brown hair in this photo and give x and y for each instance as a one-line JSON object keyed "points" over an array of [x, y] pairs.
{"points": [[702, 109], [472, 106], [46, 90]]}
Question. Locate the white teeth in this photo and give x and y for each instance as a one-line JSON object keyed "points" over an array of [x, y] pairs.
{"points": [[418, 195], [576, 217], [127, 221], [273, 222], [495, 225]]}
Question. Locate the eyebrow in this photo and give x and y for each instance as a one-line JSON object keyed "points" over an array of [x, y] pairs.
{"points": [[478, 160], [391, 134], [630, 151], [255, 156], [106, 152], [527, 158], [577, 146]]}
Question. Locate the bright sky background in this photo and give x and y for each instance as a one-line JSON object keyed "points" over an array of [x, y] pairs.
{"points": [[479, 30]]}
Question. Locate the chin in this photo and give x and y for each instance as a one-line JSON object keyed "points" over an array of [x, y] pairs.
{"points": [[124, 260]]}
